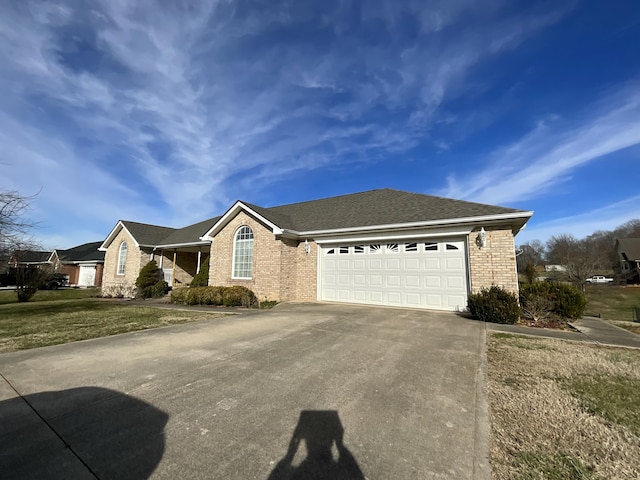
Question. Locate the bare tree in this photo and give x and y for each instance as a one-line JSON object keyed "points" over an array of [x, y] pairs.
{"points": [[14, 227], [578, 257], [531, 254]]}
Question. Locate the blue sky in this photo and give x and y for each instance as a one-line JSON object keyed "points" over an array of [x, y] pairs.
{"points": [[126, 110]]}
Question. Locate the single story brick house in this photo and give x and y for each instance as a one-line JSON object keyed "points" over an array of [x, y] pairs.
{"points": [[380, 247], [83, 264]]}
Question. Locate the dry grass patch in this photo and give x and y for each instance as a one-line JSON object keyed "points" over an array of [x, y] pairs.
{"points": [[42, 323], [563, 410], [612, 302]]}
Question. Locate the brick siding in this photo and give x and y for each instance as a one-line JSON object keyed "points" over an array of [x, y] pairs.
{"points": [[281, 268], [494, 264]]}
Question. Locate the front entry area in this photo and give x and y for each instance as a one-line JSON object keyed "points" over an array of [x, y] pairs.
{"points": [[422, 273]]}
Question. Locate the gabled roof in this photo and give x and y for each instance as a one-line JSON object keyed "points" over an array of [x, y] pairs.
{"points": [[385, 208], [630, 247], [146, 234], [87, 252], [33, 256], [375, 208]]}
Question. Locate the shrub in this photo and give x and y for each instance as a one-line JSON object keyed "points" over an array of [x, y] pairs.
{"points": [[118, 290], [227, 296], [149, 276], [565, 300], [158, 290], [494, 304], [201, 279]]}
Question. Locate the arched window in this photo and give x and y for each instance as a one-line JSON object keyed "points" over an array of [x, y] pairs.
{"points": [[243, 253], [122, 258]]}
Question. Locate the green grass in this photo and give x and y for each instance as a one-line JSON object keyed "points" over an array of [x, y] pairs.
{"points": [[8, 296], [612, 302], [523, 341], [551, 467], [615, 398], [50, 322]]}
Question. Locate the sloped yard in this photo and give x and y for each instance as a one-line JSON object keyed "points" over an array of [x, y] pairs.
{"points": [[563, 410]]}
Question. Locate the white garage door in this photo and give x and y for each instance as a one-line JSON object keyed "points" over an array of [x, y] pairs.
{"points": [[421, 274], [87, 276]]}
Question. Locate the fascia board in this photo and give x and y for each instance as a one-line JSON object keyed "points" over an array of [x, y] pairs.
{"points": [[119, 226], [395, 235], [179, 245], [431, 223], [232, 212]]}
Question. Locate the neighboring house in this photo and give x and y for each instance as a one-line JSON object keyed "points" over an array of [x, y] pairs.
{"points": [[381, 247], [555, 268], [83, 264], [34, 258], [629, 253]]}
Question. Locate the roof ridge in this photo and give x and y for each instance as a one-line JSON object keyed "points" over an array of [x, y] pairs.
{"points": [[326, 198]]}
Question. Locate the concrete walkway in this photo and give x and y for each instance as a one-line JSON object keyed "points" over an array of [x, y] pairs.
{"points": [[589, 329]]}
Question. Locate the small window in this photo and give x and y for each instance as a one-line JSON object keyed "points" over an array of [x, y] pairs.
{"points": [[452, 247], [122, 258], [410, 247], [392, 247], [331, 251], [429, 247], [375, 248], [343, 250], [358, 249]]}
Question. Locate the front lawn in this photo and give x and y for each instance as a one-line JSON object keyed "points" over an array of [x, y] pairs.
{"points": [[612, 302], [57, 320], [9, 296], [563, 410]]}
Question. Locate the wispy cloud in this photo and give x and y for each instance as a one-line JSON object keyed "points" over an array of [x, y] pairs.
{"points": [[581, 225], [180, 109], [553, 151]]}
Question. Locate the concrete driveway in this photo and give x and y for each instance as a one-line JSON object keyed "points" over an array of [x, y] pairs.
{"points": [[301, 391]]}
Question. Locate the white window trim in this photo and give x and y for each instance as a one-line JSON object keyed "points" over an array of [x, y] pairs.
{"points": [[233, 258], [120, 262]]}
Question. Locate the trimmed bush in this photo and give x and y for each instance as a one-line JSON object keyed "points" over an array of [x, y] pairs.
{"points": [[159, 290], [235, 296], [149, 277], [495, 305], [201, 279], [565, 300]]}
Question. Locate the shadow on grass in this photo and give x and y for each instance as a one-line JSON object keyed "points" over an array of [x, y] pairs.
{"points": [[56, 306], [80, 432]]}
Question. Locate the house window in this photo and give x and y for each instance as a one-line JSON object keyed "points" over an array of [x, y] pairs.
{"points": [[243, 253], [343, 250], [122, 258], [331, 251], [451, 247], [375, 248], [358, 249], [430, 246], [392, 247]]}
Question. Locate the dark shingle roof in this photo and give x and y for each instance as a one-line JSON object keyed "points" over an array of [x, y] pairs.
{"points": [[146, 234], [189, 234], [86, 252], [630, 247], [375, 207], [32, 256]]}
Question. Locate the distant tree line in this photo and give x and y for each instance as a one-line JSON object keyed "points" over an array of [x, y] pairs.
{"points": [[579, 258]]}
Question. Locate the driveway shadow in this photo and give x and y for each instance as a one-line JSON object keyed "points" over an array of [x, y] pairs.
{"points": [[80, 433], [321, 431]]}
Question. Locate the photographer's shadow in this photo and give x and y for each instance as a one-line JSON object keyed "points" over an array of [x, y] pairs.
{"points": [[321, 431]]}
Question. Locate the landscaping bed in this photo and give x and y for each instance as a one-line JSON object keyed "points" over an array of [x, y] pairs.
{"points": [[563, 410]]}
